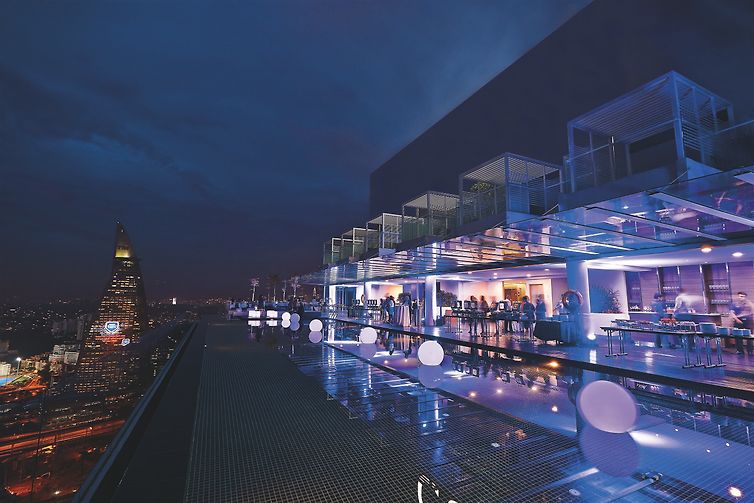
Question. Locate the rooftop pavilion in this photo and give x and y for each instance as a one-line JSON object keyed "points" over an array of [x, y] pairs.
{"points": [[711, 209], [430, 215], [353, 243], [507, 188], [331, 251], [384, 232], [660, 131]]}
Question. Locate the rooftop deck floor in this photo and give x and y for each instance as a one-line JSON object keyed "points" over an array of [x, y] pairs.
{"points": [[659, 365], [265, 432]]}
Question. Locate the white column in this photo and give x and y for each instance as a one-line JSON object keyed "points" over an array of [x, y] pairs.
{"points": [[430, 300], [578, 280], [577, 275]]}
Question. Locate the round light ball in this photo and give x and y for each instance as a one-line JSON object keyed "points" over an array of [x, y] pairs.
{"points": [[431, 353], [315, 337], [607, 406], [286, 315], [285, 323], [368, 335], [315, 325], [295, 326], [295, 318]]}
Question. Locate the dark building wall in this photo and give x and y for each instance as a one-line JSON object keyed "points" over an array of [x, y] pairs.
{"points": [[607, 49]]}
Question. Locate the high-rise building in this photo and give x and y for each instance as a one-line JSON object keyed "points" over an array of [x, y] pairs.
{"points": [[122, 313], [105, 365]]}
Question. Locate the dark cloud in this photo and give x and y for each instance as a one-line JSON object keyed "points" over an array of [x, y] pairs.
{"points": [[230, 137]]}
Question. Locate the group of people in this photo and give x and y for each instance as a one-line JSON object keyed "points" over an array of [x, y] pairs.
{"points": [[388, 307], [528, 312], [741, 312]]}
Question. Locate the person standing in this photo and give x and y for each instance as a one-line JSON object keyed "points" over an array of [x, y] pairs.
{"points": [[507, 316], [540, 309], [390, 309], [527, 314], [658, 310], [741, 311]]}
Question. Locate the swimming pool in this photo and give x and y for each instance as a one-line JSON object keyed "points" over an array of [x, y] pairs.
{"points": [[489, 427]]}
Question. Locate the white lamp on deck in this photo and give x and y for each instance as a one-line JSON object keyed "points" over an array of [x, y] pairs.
{"points": [[315, 325], [368, 335], [430, 353]]}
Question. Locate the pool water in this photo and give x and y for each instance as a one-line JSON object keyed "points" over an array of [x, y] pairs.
{"points": [[487, 427]]}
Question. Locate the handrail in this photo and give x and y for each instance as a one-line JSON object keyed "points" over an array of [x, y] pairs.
{"points": [[101, 482]]}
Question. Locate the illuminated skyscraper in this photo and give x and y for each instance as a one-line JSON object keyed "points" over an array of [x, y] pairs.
{"points": [[105, 365], [122, 314]]}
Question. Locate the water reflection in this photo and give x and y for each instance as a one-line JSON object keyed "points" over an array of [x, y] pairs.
{"points": [[701, 444]]}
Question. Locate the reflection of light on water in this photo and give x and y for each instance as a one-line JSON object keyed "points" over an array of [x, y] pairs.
{"points": [[648, 439], [735, 492]]}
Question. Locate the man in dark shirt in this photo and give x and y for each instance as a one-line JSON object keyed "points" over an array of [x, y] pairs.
{"points": [[741, 311]]}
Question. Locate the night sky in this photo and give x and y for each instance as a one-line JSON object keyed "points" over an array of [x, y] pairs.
{"points": [[230, 138]]}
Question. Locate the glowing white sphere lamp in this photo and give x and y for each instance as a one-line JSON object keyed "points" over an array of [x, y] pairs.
{"points": [[368, 335], [295, 326], [607, 406], [295, 318], [430, 353], [315, 325], [315, 337], [286, 315], [285, 323]]}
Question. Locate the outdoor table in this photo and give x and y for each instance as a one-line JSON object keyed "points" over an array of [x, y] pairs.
{"points": [[548, 330], [403, 315], [690, 336]]}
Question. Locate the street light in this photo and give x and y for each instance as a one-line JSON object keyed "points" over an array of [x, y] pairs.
{"points": [[18, 370]]}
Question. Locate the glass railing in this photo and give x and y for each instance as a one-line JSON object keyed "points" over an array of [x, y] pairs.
{"points": [[731, 148]]}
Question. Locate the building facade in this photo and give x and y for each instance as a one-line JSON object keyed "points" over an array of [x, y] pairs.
{"points": [[104, 364]]}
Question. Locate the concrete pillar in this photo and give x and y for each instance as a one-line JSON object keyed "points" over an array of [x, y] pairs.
{"points": [[577, 275], [431, 310]]}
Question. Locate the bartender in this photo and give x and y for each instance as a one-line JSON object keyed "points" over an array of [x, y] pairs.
{"points": [[741, 311], [682, 312], [658, 308]]}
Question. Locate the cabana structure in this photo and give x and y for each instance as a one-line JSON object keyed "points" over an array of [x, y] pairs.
{"points": [[430, 215], [331, 251], [507, 188], [659, 126], [384, 232], [353, 243]]}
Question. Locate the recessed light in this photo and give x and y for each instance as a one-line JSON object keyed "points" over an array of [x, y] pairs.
{"points": [[528, 275], [625, 206], [554, 408], [737, 254], [546, 269], [705, 249]]}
